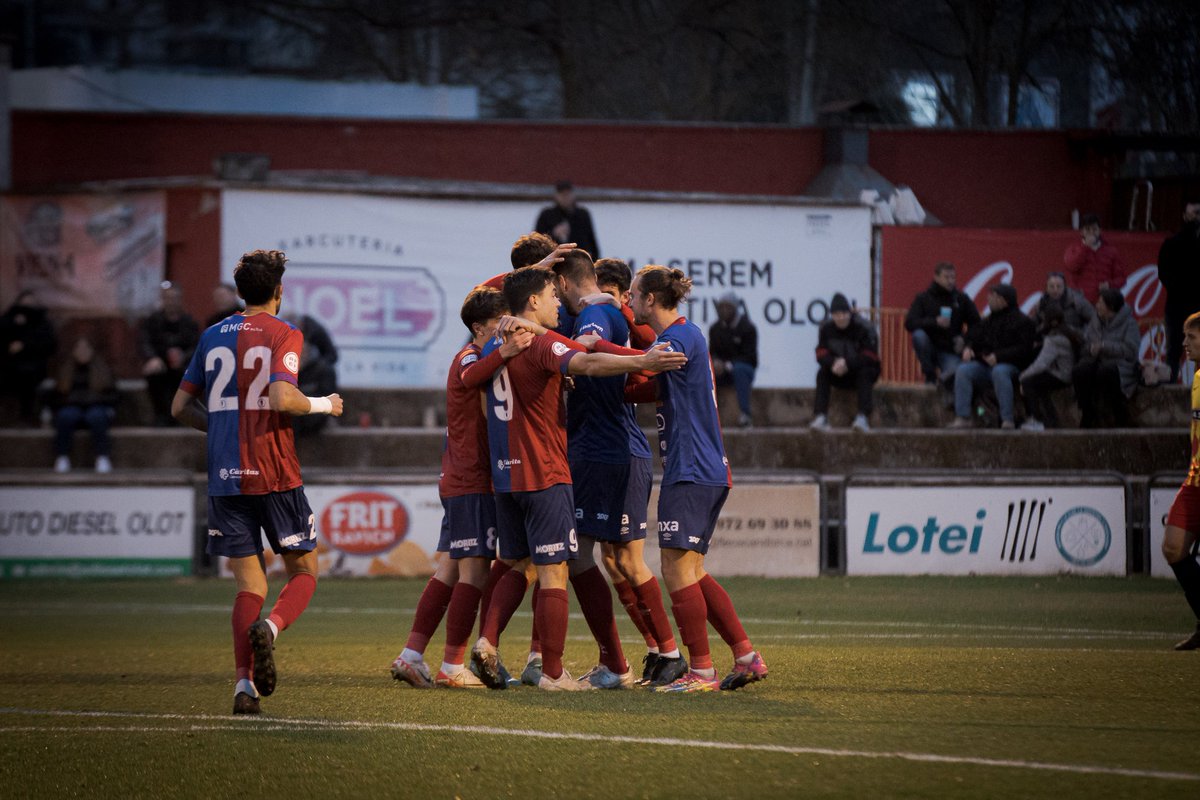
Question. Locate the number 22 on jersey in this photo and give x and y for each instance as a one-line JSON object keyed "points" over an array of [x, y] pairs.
{"points": [[224, 361]]}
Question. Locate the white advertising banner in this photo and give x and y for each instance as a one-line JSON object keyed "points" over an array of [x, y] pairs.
{"points": [[96, 532], [387, 275], [985, 530], [768, 530], [1161, 498], [372, 530]]}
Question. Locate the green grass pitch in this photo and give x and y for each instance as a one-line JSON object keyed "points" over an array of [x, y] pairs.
{"points": [[879, 687]]}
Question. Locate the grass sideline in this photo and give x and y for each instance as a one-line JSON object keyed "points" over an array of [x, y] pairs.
{"points": [[913, 687]]}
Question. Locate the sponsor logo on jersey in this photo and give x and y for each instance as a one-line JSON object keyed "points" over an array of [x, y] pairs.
{"points": [[602, 516], [469, 358], [694, 539], [550, 549], [292, 362], [235, 326], [226, 474], [365, 523], [463, 544], [559, 349], [665, 525], [294, 539], [214, 532], [507, 463]]}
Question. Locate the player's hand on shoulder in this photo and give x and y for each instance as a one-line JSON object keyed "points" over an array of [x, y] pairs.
{"points": [[588, 340], [336, 400], [516, 341], [660, 359]]}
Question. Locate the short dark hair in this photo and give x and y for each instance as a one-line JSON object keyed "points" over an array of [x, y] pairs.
{"points": [[521, 284], [942, 266], [257, 274], [1192, 322], [482, 304], [613, 272], [669, 286], [1089, 219], [1113, 299], [530, 249], [576, 266]]}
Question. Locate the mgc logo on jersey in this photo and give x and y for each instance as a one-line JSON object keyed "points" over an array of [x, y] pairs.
{"points": [[365, 523]]}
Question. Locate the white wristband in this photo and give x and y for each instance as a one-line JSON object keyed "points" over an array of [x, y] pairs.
{"points": [[320, 405]]}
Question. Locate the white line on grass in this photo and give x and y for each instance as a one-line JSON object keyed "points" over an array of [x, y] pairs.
{"points": [[208, 722]]}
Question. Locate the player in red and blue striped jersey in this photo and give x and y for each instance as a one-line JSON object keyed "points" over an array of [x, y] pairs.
{"points": [[696, 480], [530, 473], [244, 373]]}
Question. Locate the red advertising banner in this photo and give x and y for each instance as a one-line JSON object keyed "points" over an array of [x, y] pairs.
{"points": [[87, 255], [1021, 258]]}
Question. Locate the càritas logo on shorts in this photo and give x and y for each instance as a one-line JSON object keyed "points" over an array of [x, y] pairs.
{"points": [[226, 474]]}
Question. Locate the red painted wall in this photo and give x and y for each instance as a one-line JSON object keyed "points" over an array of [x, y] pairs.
{"points": [[194, 246]]}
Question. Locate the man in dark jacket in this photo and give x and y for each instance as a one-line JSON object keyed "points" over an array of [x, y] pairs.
{"points": [[168, 337], [848, 355], [938, 319], [995, 353], [1179, 272], [27, 341], [733, 345], [567, 222]]}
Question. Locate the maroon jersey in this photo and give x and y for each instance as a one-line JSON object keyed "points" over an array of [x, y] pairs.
{"points": [[466, 463]]}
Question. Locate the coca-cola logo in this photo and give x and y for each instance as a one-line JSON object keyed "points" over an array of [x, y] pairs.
{"points": [[1142, 290], [365, 523]]}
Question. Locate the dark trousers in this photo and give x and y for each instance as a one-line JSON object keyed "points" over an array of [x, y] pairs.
{"points": [[861, 379], [1173, 325], [1037, 391], [1099, 382], [161, 388], [97, 418]]}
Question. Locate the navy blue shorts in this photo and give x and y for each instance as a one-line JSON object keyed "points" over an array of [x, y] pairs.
{"points": [[599, 491], [234, 522], [468, 526], [637, 500], [541, 524], [687, 515]]}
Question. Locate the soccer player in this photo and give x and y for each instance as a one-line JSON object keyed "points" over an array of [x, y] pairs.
{"points": [[526, 431], [469, 522], [611, 477], [695, 483], [245, 371], [1183, 521]]}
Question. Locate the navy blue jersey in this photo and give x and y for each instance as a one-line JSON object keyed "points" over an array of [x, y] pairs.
{"points": [[597, 413], [689, 432]]}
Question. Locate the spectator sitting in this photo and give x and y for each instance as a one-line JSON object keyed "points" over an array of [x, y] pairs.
{"points": [[1093, 263], [938, 319], [733, 344], [1077, 311], [1051, 370], [1179, 272], [567, 222], [1108, 367], [318, 376], [87, 394], [848, 355], [996, 352], [226, 302], [168, 337], [26, 343]]}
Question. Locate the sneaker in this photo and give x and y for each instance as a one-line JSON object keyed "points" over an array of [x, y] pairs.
{"points": [[819, 423], [744, 421], [668, 670], [463, 679], [649, 662], [62, 464], [486, 661], [414, 673], [1032, 424], [860, 424], [601, 677], [506, 676], [532, 674], [262, 646], [1192, 642], [744, 674], [563, 683], [245, 698], [1007, 425], [691, 682], [103, 465], [960, 423]]}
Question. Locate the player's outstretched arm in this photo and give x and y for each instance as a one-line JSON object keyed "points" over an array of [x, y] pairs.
{"points": [[287, 399], [187, 409], [599, 365]]}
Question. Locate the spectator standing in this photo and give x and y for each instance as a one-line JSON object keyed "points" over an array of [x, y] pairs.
{"points": [[848, 358], [225, 302], [1092, 263], [733, 343], [1179, 272], [87, 394], [566, 221], [938, 320], [996, 352], [1076, 310], [1108, 368], [318, 376], [168, 337], [26, 343], [1051, 370]]}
